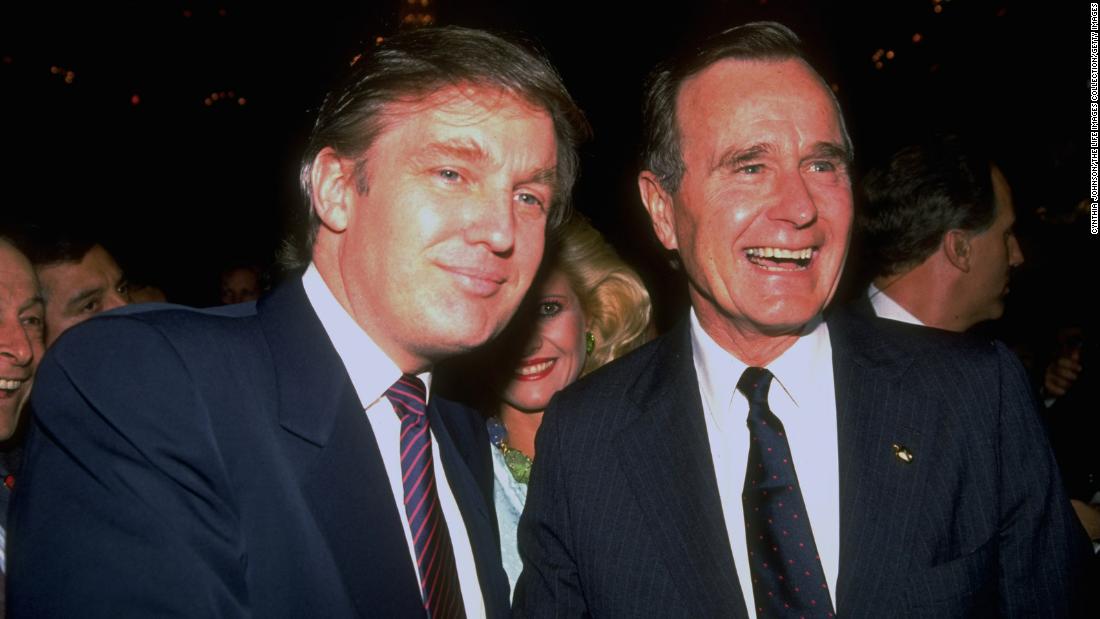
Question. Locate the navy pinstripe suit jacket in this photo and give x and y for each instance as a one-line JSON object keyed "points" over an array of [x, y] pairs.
{"points": [[623, 517]]}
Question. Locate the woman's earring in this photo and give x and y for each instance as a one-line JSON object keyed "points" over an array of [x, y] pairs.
{"points": [[589, 342]]}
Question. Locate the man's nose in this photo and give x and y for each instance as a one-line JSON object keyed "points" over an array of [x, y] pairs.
{"points": [[796, 204], [1015, 254], [15, 344], [492, 222]]}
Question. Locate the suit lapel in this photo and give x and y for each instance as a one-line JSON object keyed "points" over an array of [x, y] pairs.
{"points": [[879, 497], [342, 478], [666, 457], [458, 462]]}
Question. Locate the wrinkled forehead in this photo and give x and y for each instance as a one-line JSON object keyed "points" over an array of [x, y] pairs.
{"points": [[15, 267], [733, 92]]}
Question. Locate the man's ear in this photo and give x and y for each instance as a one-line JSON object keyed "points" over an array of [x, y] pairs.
{"points": [[334, 188], [956, 246], [659, 204]]}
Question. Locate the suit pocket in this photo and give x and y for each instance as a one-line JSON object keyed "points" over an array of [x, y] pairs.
{"points": [[962, 587]]}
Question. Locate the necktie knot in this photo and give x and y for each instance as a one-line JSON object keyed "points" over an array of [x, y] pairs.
{"points": [[754, 385], [409, 397]]}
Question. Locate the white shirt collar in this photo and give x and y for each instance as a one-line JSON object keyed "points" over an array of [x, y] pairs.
{"points": [[805, 401], [370, 370], [886, 307], [719, 371]]}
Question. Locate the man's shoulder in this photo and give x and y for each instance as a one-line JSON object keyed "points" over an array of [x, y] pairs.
{"points": [[623, 373], [868, 337], [117, 331], [611, 395], [154, 365], [967, 376]]}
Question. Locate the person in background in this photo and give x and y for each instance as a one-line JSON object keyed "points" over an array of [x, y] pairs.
{"points": [[22, 329], [587, 308], [79, 278], [938, 232], [240, 283]]}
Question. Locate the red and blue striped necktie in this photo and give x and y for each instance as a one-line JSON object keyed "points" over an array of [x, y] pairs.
{"points": [[435, 558]]}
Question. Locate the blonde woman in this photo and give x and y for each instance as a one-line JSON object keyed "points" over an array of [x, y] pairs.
{"points": [[587, 308]]}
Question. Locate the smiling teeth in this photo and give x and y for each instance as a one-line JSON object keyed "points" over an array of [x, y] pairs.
{"points": [[531, 370], [9, 384], [778, 252]]}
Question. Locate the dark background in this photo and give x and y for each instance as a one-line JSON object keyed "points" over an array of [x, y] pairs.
{"points": [[128, 146]]}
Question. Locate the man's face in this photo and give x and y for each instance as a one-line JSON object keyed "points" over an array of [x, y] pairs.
{"points": [[240, 285], [436, 254], [76, 291], [763, 214], [992, 254], [21, 333]]}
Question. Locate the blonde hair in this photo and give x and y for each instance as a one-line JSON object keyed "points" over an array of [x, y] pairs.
{"points": [[615, 301]]}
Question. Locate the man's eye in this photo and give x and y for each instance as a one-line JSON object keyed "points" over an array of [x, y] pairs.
{"points": [[91, 307], [549, 308], [754, 168], [449, 175], [530, 199], [823, 166], [34, 322]]}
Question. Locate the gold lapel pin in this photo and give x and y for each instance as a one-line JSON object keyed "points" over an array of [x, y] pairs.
{"points": [[903, 453]]}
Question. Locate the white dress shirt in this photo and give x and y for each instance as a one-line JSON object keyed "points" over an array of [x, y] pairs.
{"points": [[885, 307], [372, 373], [803, 397]]}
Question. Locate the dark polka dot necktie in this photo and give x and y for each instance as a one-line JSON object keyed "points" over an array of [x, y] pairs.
{"points": [[787, 579], [435, 559]]}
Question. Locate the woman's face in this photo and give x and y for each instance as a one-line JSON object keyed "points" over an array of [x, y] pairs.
{"points": [[554, 355]]}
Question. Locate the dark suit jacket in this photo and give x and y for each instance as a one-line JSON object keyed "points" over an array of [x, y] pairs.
{"points": [[623, 516], [219, 464]]}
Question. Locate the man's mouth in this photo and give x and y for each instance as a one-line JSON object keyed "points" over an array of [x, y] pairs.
{"points": [[478, 281], [10, 384], [781, 259]]}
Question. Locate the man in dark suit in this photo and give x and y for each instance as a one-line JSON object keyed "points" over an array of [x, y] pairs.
{"points": [[759, 460], [937, 230], [220, 463], [22, 332]]}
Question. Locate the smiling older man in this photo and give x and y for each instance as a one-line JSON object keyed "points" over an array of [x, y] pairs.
{"points": [[759, 460]]}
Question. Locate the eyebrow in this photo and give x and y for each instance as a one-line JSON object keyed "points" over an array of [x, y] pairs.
{"points": [[471, 151], [820, 150], [545, 176], [830, 150], [81, 297], [741, 156], [35, 300], [465, 149]]}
